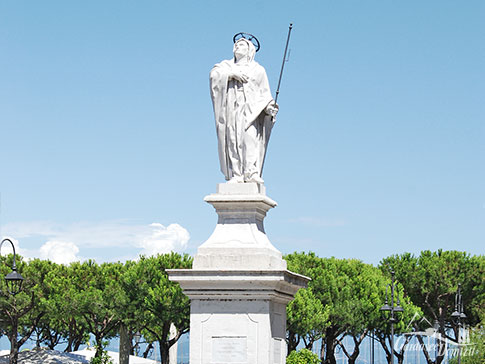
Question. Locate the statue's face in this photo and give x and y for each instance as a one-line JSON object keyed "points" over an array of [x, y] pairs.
{"points": [[241, 49]]}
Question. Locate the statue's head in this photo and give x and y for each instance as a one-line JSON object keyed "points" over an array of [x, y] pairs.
{"points": [[244, 48]]}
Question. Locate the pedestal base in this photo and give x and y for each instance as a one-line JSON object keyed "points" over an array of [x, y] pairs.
{"points": [[238, 316], [239, 285]]}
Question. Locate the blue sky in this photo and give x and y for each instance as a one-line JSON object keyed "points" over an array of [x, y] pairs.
{"points": [[108, 142]]}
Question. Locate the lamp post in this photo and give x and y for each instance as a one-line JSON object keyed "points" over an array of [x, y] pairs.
{"points": [[458, 315], [393, 319], [14, 282], [14, 279]]}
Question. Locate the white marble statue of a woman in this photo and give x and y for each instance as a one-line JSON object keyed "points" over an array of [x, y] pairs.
{"points": [[244, 113]]}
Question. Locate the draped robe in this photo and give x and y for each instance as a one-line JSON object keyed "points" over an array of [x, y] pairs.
{"points": [[242, 126]]}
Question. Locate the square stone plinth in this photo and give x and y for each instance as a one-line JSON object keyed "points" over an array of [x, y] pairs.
{"points": [[238, 316]]}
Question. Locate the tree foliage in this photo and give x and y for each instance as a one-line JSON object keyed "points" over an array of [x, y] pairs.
{"points": [[64, 305], [303, 356], [307, 319], [104, 358], [346, 295], [163, 301], [431, 281], [21, 313]]}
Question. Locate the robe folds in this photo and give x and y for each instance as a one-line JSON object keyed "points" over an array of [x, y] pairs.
{"points": [[242, 126]]}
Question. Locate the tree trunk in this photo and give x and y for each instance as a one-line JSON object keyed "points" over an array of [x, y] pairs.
{"points": [[441, 348], [329, 347], [330, 351], [400, 355], [382, 341], [99, 346], [125, 345], [147, 350], [428, 358], [293, 341], [309, 344], [52, 344], [133, 346], [68, 348], [173, 345], [352, 357], [77, 344], [322, 351], [75, 338], [37, 338], [70, 337], [164, 356]]}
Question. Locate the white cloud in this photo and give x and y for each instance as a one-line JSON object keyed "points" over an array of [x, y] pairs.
{"points": [[163, 239], [62, 242], [61, 252], [32, 228]]}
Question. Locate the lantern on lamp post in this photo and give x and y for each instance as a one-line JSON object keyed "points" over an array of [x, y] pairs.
{"points": [[14, 279]]}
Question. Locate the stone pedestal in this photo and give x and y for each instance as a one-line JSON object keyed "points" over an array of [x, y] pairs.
{"points": [[239, 285]]}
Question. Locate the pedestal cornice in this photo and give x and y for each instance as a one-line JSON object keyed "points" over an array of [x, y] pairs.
{"points": [[275, 285]]}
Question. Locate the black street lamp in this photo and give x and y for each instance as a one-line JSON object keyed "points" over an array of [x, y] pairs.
{"points": [[458, 315], [14, 279], [393, 319]]}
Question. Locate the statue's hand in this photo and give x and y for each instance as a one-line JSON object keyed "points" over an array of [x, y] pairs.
{"points": [[239, 76], [272, 109]]}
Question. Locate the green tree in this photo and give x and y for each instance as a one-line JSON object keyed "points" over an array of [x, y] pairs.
{"points": [[160, 302], [63, 313], [303, 356], [47, 331], [329, 286], [431, 281], [362, 300], [93, 294], [381, 326], [20, 314], [129, 309], [307, 319], [99, 303], [350, 294], [104, 358]]}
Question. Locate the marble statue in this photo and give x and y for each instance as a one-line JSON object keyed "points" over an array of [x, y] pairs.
{"points": [[244, 113]]}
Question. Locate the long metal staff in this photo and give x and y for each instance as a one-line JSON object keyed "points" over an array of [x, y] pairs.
{"points": [[278, 89], [283, 64]]}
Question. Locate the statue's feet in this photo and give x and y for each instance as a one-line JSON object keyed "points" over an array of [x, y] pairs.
{"points": [[255, 178], [236, 179]]}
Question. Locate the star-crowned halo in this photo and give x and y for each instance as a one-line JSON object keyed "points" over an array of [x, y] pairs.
{"points": [[249, 37]]}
